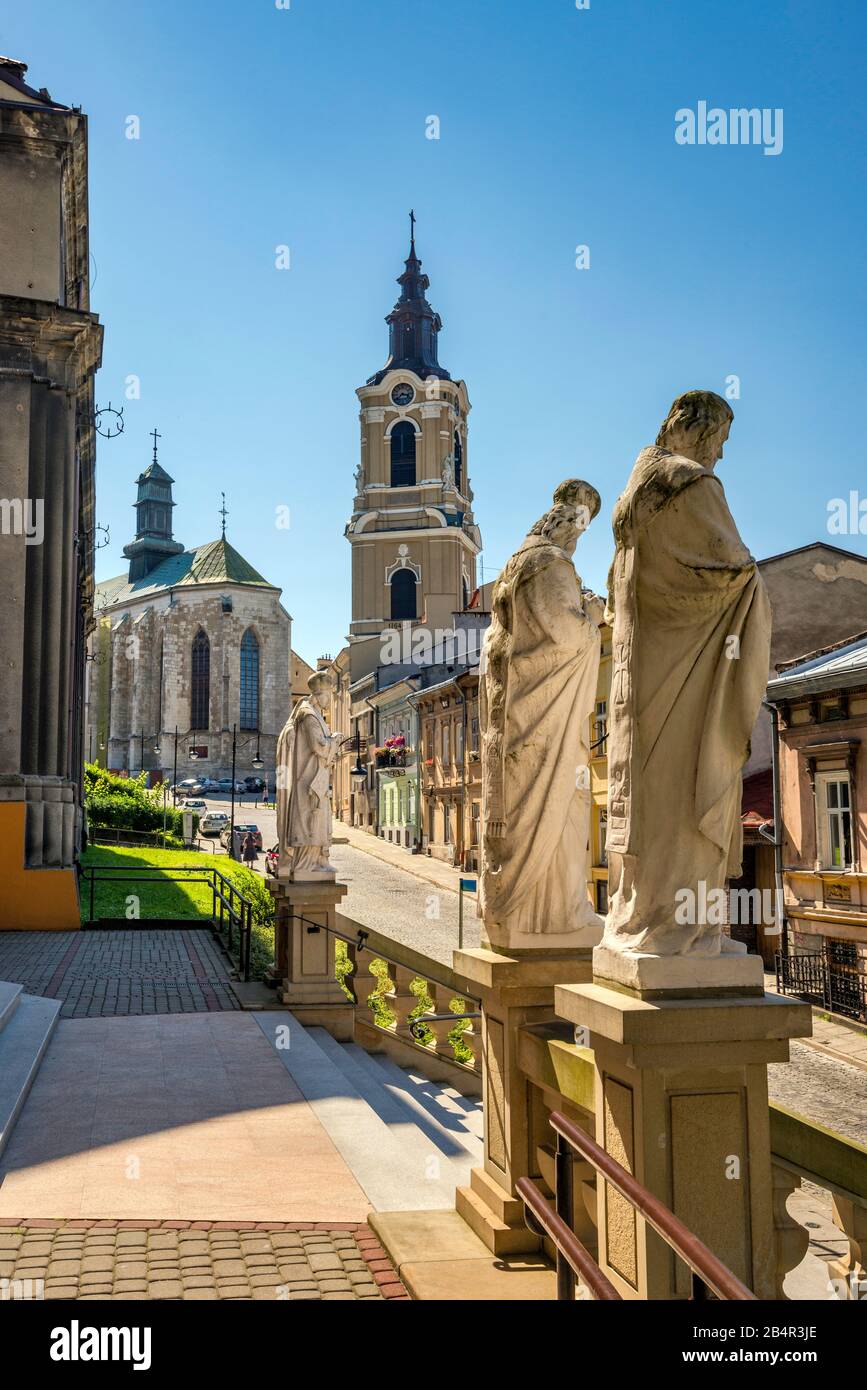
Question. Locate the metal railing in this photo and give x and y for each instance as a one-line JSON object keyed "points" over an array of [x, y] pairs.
{"points": [[574, 1260], [838, 988], [230, 909], [117, 835]]}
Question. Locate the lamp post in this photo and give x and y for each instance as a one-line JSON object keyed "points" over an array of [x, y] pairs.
{"points": [[141, 737], [193, 758], [358, 773], [256, 761]]}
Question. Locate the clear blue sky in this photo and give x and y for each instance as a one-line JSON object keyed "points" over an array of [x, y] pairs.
{"points": [[306, 127]]}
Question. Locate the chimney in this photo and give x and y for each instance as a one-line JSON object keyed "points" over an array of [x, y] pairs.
{"points": [[12, 68]]}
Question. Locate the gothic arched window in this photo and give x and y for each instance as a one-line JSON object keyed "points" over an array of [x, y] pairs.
{"points": [[200, 682], [249, 680], [459, 462], [403, 455], [403, 586]]}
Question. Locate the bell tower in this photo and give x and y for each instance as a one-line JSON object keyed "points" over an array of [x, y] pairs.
{"points": [[153, 511], [412, 531]]}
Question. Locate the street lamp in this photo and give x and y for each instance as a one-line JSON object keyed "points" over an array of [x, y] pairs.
{"points": [[193, 756], [359, 772], [141, 737], [256, 761]]}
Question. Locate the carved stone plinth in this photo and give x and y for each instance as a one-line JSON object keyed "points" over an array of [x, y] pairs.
{"points": [[682, 1104], [304, 955], [513, 992]]}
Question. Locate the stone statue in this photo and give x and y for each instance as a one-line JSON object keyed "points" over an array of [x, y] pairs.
{"points": [[306, 752], [359, 477], [537, 686], [691, 646], [448, 476]]}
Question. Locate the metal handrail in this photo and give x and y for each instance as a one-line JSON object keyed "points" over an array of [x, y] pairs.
{"points": [[418, 1024], [240, 913], [710, 1271], [568, 1245]]}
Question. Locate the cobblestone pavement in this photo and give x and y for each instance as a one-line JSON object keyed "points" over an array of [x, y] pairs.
{"points": [[400, 905], [103, 973], [194, 1260], [831, 1092]]}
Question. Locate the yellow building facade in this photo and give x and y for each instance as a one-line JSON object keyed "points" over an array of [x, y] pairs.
{"points": [[413, 535]]}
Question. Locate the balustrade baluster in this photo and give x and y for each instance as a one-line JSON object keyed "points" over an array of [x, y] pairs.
{"points": [[850, 1271], [401, 999]]}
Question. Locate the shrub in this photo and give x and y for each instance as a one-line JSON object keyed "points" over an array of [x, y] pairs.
{"points": [[127, 803]]}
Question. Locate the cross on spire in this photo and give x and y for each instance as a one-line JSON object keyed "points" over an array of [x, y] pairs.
{"points": [[412, 228], [223, 513], [155, 437]]}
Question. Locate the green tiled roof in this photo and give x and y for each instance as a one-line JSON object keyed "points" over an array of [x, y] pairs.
{"points": [[214, 563]]}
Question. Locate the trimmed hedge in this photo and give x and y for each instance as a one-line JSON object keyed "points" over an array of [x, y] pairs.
{"points": [[127, 803]]}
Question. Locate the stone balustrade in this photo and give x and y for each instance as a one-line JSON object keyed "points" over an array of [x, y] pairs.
{"points": [[804, 1151], [560, 1076], [391, 986]]}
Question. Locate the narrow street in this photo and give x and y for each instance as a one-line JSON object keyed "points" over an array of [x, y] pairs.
{"points": [[413, 904]]}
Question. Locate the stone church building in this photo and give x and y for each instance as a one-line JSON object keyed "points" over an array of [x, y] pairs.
{"points": [[190, 647]]}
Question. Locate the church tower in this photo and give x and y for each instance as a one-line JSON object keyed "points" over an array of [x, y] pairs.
{"points": [[153, 511], [414, 540]]}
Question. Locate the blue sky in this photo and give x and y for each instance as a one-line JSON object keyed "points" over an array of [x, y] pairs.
{"points": [[306, 127]]}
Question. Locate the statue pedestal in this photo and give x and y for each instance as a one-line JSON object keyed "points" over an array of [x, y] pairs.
{"points": [[682, 1103], [304, 965], [733, 972], [514, 991]]}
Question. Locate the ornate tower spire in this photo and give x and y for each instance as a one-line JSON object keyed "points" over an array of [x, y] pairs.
{"points": [[413, 326], [153, 510]]}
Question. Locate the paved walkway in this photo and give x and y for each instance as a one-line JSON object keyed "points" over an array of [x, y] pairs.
{"points": [[422, 866], [188, 1117], [194, 1260], [402, 905], [109, 972]]}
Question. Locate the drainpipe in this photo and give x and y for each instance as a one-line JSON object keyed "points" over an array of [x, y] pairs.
{"points": [[464, 761], [777, 838], [375, 712], [419, 763]]}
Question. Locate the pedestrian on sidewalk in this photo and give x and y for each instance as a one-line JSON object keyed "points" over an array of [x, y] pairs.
{"points": [[250, 851]]}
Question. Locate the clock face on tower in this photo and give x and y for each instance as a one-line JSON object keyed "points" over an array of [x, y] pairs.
{"points": [[402, 393]]}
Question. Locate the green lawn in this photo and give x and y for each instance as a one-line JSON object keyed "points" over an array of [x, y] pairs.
{"points": [[162, 896]]}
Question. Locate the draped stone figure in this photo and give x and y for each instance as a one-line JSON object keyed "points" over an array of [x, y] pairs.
{"points": [[690, 661], [306, 752], [537, 686]]}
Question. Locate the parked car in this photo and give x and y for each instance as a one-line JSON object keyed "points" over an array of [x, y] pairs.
{"points": [[185, 788], [213, 822], [241, 829], [254, 784], [194, 803], [225, 785], [271, 858]]}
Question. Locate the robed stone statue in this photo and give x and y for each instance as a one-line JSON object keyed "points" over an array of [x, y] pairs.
{"points": [[537, 686], [691, 644], [306, 752]]}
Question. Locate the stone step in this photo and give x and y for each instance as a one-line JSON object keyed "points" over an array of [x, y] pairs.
{"points": [[9, 996], [497, 1235], [23, 1041], [434, 1101], [447, 1127], [437, 1152], [389, 1162], [468, 1106]]}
